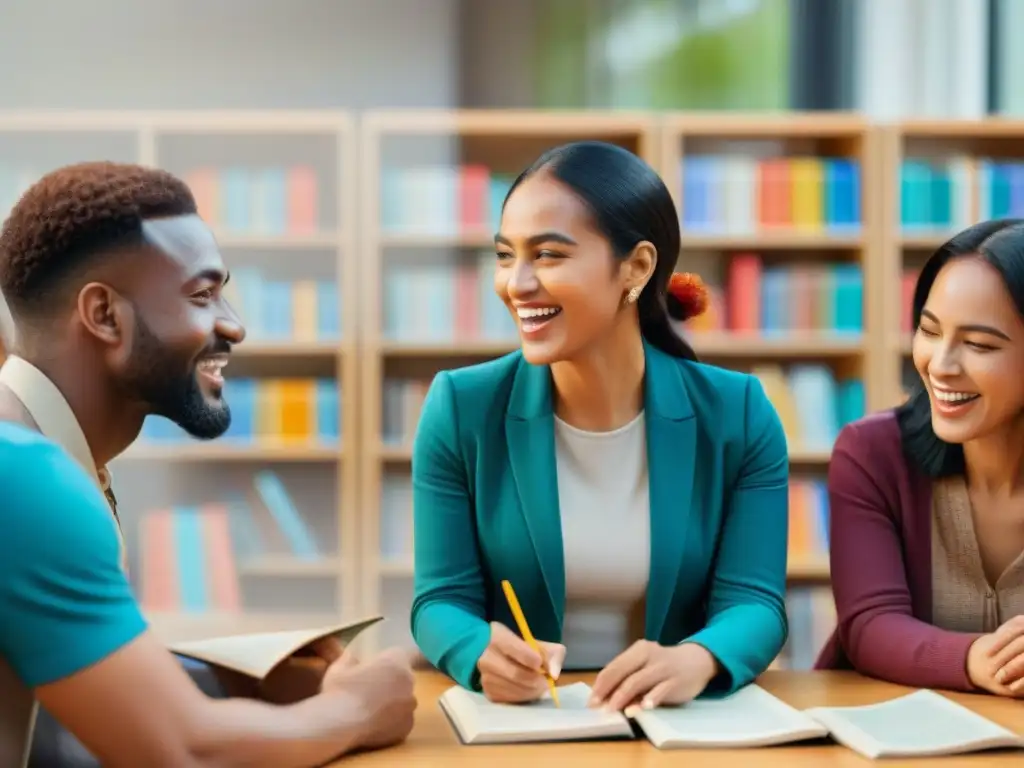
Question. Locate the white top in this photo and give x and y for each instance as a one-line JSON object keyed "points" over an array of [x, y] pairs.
{"points": [[604, 500]]}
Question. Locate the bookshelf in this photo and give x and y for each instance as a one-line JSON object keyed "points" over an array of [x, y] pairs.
{"points": [[456, 166], [779, 217], [857, 204], [940, 176], [218, 532]]}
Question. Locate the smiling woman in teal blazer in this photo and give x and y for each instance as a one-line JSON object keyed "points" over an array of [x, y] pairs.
{"points": [[636, 499]]}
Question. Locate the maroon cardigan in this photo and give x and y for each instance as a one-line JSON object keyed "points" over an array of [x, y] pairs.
{"points": [[880, 511]]}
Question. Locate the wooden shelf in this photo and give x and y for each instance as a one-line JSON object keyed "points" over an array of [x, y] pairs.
{"points": [[287, 566], [299, 243], [798, 570], [364, 356], [809, 569], [402, 454], [429, 240], [288, 349], [764, 241], [225, 451], [738, 125], [448, 349], [787, 346]]}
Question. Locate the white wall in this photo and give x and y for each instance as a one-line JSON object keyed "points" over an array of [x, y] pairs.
{"points": [[195, 54]]}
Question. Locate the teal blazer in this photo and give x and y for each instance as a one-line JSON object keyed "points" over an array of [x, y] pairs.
{"points": [[485, 499]]}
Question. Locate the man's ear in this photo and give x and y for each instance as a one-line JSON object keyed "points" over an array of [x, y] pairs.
{"points": [[103, 313], [638, 267]]}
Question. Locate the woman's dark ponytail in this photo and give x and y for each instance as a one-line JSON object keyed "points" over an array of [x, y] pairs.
{"points": [[657, 310]]}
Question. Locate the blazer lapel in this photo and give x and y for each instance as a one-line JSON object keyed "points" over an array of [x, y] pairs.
{"points": [[671, 456], [530, 432]]}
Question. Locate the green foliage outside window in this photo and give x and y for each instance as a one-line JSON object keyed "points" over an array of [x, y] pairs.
{"points": [[663, 54]]}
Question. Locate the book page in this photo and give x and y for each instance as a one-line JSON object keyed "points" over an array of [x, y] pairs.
{"points": [[257, 654], [481, 721], [920, 724], [750, 717]]}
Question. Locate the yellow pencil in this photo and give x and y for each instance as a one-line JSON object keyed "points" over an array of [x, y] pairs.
{"points": [[524, 630]]}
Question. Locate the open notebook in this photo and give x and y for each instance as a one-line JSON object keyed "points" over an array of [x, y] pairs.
{"points": [[918, 724], [257, 654], [751, 717]]}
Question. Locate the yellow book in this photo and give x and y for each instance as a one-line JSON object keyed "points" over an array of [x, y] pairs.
{"points": [[807, 178], [297, 410]]}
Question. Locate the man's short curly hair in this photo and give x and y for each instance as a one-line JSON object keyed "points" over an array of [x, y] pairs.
{"points": [[74, 213]]}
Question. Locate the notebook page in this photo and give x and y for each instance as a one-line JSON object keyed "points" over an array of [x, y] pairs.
{"points": [[483, 721], [750, 717], [923, 723]]}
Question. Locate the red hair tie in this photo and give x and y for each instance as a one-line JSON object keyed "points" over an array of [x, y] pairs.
{"points": [[691, 293]]}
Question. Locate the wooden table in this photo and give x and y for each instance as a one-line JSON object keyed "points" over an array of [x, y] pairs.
{"points": [[433, 743]]}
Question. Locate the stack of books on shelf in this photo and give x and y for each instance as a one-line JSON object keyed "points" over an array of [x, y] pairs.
{"points": [[265, 200], [396, 545], [736, 194], [809, 607], [812, 402], [443, 200], [445, 301], [401, 404], [301, 310], [292, 411], [811, 612], [191, 558], [783, 301], [943, 195]]}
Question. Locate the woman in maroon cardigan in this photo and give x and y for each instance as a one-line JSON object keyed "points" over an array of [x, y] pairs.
{"points": [[927, 500]]}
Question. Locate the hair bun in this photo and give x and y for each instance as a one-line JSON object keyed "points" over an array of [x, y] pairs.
{"points": [[690, 294]]}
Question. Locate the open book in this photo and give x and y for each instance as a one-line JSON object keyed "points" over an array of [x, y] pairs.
{"points": [[920, 724], [751, 717], [256, 655]]}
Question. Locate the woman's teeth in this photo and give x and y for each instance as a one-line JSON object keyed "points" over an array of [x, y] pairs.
{"points": [[533, 320], [529, 313], [955, 397]]}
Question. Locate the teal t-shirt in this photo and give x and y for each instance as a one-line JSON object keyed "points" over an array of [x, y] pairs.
{"points": [[65, 603]]}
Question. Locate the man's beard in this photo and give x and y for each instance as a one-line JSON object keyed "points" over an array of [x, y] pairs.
{"points": [[171, 388]]}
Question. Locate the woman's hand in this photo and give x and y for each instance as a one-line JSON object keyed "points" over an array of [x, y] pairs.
{"points": [[995, 662], [511, 671], [648, 675]]}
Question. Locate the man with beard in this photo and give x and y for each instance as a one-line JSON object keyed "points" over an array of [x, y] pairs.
{"points": [[115, 287]]}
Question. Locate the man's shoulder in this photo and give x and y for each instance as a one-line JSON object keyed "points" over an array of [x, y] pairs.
{"points": [[22, 446], [34, 466]]}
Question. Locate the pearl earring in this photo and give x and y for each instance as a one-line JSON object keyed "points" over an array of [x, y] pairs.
{"points": [[634, 294]]}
